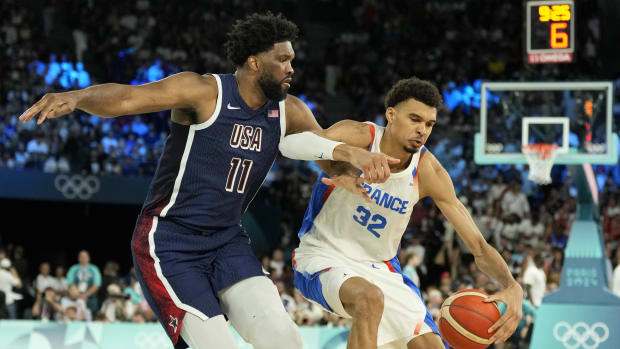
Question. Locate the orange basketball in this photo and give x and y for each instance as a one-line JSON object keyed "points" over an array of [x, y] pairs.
{"points": [[465, 319]]}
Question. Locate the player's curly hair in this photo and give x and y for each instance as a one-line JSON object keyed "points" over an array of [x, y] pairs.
{"points": [[257, 33], [420, 90]]}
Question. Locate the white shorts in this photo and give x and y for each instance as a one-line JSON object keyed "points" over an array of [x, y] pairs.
{"points": [[319, 277]]}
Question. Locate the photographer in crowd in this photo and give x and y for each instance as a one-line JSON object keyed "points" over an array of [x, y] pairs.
{"points": [[8, 279]]}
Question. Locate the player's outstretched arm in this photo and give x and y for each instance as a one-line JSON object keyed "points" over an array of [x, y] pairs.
{"points": [[344, 141], [436, 183], [182, 90]]}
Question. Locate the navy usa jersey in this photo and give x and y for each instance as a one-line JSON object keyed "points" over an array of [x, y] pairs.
{"points": [[209, 173]]}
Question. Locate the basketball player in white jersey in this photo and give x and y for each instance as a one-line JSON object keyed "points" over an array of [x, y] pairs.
{"points": [[346, 258]]}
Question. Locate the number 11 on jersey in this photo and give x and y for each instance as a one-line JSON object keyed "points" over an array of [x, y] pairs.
{"points": [[246, 166]]}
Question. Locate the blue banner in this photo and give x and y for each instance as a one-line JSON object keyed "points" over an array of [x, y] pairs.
{"points": [[95, 335], [36, 185]]}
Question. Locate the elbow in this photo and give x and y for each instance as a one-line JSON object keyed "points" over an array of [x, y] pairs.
{"points": [[480, 247]]}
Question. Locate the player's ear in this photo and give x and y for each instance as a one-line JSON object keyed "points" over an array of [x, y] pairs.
{"points": [[253, 63], [390, 114]]}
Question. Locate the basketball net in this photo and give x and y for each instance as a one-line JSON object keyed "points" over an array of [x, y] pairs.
{"points": [[540, 157]]}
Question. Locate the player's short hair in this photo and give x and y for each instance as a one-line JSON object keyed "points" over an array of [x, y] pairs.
{"points": [[257, 33], [420, 90]]}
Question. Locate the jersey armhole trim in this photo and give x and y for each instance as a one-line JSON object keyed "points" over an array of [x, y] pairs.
{"points": [[282, 119], [372, 136], [218, 107]]}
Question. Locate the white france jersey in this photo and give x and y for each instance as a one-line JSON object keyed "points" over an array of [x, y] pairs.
{"points": [[338, 221]]}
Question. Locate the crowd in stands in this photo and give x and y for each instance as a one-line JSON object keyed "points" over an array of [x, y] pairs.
{"points": [[138, 41]]}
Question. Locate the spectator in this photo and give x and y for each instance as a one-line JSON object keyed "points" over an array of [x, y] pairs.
{"points": [[87, 277], [114, 306], [307, 313], [535, 281], [44, 279], [287, 300], [60, 282], [412, 262], [9, 279], [73, 300], [46, 308], [277, 263], [514, 201], [71, 314]]}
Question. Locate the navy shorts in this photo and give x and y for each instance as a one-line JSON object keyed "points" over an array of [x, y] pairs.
{"points": [[181, 270]]}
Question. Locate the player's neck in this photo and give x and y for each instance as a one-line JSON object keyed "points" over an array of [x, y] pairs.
{"points": [[392, 148], [249, 90]]}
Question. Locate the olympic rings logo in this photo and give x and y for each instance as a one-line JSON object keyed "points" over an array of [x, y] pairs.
{"points": [[152, 340], [580, 334], [77, 186]]}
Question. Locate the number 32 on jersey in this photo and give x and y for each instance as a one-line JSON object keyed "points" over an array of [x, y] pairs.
{"points": [[364, 216]]}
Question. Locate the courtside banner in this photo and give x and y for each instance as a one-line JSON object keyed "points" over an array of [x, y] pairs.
{"points": [[582, 313], [82, 335], [36, 185]]}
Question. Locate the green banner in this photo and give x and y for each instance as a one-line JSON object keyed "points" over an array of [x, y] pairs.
{"points": [[94, 335]]}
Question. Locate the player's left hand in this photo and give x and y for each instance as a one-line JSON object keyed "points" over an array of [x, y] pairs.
{"points": [[507, 324], [350, 183]]}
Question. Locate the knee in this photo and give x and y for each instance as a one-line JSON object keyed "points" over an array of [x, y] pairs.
{"points": [[368, 302], [276, 333]]}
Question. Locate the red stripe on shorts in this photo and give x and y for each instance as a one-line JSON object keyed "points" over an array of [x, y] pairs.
{"points": [[170, 316]]}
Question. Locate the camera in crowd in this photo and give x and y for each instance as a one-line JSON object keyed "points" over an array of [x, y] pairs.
{"points": [[115, 292], [5, 264]]}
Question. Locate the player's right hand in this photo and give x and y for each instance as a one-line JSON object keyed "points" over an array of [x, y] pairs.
{"points": [[375, 166], [350, 183], [51, 106]]}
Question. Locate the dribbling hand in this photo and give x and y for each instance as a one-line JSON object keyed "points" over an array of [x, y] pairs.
{"points": [[507, 324], [51, 106]]}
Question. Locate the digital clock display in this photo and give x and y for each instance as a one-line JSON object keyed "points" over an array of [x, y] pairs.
{"points": [[550, 30]]}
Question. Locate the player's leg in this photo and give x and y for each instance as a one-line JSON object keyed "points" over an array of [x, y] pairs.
{"points": [[364, 302], [211, 333], [171, 268], [251, 300], [255, 309], [429, 340]]}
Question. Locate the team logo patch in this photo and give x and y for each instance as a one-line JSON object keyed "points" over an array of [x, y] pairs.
{"points": [[174, 323]]}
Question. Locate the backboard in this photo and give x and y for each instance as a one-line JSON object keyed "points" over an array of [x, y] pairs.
{"points": [[575, 116]]}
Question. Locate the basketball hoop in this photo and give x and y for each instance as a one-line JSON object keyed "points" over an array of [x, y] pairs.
{"points": [[540, 157]]}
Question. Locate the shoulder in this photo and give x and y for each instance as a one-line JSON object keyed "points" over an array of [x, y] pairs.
{"points": [[295, 106], [434, 180], [206, 83], [190, 84], [429, 164], [299, 117]]}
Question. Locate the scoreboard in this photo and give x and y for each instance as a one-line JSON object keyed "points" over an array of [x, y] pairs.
{"points": [[550, 31]]}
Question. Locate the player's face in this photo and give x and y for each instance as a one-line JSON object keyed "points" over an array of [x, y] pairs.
{"points": [[412, 122], [277, 72]]}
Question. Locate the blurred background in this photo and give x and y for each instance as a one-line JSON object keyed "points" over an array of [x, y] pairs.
{"points": [[72, 188]]}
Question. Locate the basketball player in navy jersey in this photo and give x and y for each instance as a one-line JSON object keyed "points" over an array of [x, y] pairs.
{"points": [[192, 256], [346, 258]]}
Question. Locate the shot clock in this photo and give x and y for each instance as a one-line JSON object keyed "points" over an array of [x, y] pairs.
{"points": [[550, 31]]}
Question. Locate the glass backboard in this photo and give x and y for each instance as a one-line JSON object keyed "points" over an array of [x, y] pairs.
{"points": [[575, 116]]}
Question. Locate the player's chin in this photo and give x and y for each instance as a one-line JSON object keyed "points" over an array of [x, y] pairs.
{"points": [[411, 149]]}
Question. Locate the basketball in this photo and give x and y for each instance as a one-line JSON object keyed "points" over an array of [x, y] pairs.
{"points": [[465, 319]]}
